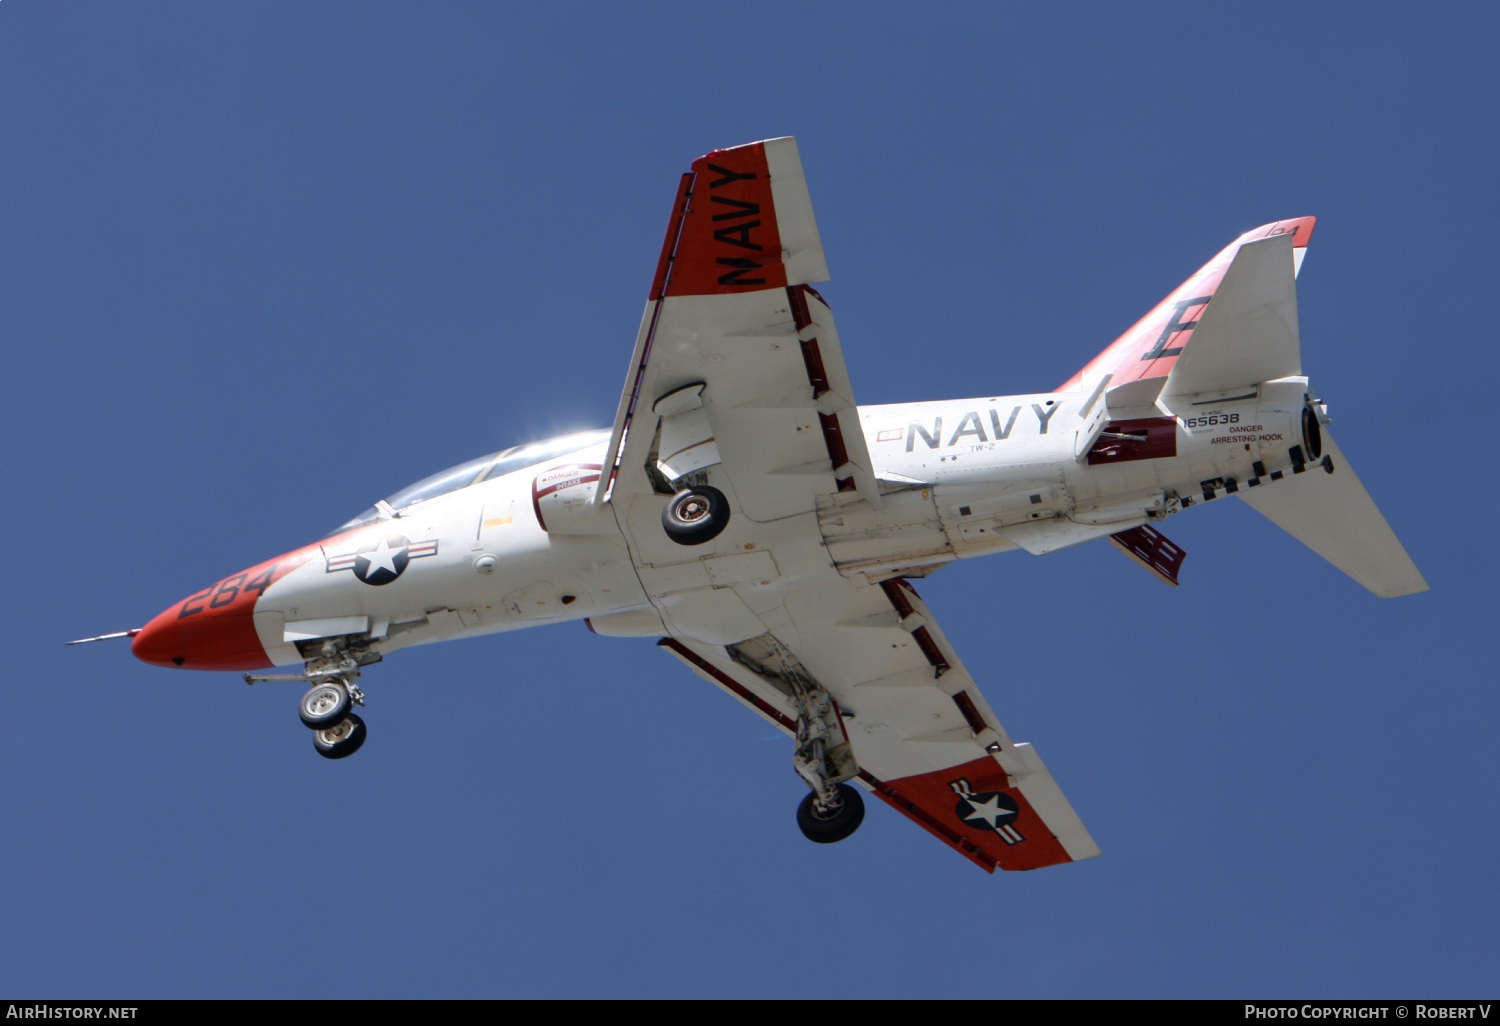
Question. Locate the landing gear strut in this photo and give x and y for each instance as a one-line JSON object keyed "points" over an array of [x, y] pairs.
{"points": [[326, 708], [824, 759]]}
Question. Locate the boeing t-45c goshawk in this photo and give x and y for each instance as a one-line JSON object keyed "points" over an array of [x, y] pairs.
{"points": [[743, 509]]}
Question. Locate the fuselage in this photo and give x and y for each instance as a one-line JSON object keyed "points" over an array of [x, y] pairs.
{"points": [[476, 551]]}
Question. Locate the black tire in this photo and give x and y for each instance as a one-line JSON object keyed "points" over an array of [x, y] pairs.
{"points": [[324, 705], [695, 515], [829, 829], [342, 740]]}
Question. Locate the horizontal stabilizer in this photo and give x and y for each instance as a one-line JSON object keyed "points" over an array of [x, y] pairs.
{"points": [[1333, 515], [1248, 333]]}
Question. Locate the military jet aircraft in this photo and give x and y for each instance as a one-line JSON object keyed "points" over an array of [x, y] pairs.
{"points": [[743, 509]]}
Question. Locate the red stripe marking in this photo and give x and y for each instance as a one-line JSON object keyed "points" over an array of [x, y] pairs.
{"points": [[685, 448], [536, 507], [585, 473], [635, 395], [728, 681], [674, 232]]}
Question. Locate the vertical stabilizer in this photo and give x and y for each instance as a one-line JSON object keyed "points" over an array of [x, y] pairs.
{"points": [[1248, 333], [1333, 515], [1151, 347]]}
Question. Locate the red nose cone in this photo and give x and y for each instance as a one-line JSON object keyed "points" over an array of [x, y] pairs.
{"points": [[211, 640], [215, 628]]}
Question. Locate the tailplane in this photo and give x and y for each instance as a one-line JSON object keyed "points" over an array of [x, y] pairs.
{"points": [[1332, 514], [1233, 325]]}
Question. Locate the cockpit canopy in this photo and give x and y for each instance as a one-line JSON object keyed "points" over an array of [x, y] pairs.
{"points": [[485, 468]]}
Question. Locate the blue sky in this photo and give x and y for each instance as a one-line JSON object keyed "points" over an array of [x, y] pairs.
{"points": [[260, 264]]}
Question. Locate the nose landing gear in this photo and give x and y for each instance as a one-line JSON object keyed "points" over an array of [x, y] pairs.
{"points": [[342, 739], [326, 708], [324, 705]]}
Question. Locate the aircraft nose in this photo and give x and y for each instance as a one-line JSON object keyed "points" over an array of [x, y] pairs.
{"points": [[213, 629]]}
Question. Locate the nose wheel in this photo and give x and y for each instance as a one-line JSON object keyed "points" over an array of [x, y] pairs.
{"points": [[342, 739], [327, 710], [325, 705]]}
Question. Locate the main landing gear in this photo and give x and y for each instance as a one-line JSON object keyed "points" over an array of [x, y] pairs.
{"points": [[825, 823], [695, 515], [327, 707], [824, 759]]}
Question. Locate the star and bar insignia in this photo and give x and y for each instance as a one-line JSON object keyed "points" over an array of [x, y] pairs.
{"points": [[988, 810], [383, 560]]}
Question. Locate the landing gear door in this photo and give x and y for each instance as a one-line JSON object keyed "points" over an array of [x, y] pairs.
{"points": [[687, 438]]}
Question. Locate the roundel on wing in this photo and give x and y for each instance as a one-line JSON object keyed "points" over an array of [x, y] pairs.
{"points": [[989, 810]]}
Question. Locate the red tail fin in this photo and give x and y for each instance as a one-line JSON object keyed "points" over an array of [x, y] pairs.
{"points": [[1151, 346]]}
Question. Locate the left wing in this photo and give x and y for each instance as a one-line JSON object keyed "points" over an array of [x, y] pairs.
{"points": [[924, 737], [730, 309]]}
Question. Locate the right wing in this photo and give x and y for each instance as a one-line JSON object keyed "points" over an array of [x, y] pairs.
{"points": [[730, 310]]}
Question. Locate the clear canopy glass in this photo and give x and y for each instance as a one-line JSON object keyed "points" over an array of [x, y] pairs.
{"points": [[485, 468]]}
